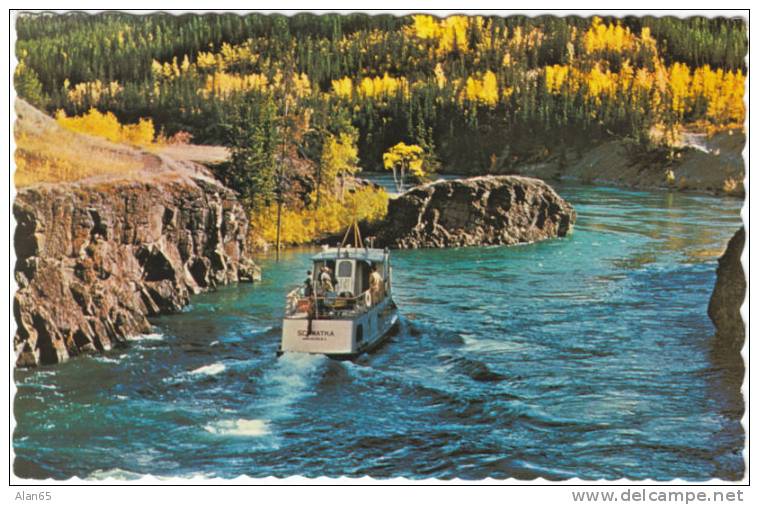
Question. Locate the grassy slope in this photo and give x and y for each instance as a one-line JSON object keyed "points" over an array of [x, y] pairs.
{"points": [[49, 153]]}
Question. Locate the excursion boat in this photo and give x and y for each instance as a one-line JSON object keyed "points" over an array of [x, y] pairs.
{"points": [[346, 310]]}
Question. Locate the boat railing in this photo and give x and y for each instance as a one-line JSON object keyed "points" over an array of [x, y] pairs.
{"points": [[325, 304]]}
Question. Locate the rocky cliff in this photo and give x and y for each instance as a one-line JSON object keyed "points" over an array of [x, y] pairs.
{"points": [[96, 258], [489, 210], [729, 294]]}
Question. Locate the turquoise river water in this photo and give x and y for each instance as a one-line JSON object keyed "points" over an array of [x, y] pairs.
{"points": [[590, 356]]}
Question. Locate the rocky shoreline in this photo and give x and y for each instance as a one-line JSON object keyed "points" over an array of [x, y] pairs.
{"points": [[707, 164], [95, 259], [486, 210]]}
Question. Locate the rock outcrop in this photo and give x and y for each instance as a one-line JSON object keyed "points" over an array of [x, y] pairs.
{"points": [[94, 259], [728, 295], [489, 210]]}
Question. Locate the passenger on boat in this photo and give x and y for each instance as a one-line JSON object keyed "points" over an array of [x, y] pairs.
{"points": [[308, 286], [326, 280], [375, 285]]}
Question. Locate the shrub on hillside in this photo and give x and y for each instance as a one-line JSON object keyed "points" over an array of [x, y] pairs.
{"points": [[106, 125]]}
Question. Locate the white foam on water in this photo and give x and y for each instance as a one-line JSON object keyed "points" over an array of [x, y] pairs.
{"points": [[146, 336], [239, 427], [193, 475], [293, 371], [367, 374], [554, 472], [477, 344], [44, 372], [213, 369], [114, 473], [291, 379], [106, 359], [206, 370], [39, 385], [474, 343]]}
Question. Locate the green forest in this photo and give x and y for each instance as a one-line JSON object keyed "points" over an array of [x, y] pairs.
{"points": [[335, 92]]}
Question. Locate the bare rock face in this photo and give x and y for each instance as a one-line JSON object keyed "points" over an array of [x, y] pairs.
{"points": [[94, 260], [489, 210], [728, 295]]}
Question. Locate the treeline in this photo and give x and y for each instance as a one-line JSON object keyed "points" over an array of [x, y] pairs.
{"points": [[81, 47], [477, 93]]}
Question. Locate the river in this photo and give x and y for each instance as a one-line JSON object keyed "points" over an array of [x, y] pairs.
{"points": [[590, 356]]}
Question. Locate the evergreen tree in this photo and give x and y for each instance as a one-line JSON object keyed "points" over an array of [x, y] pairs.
{"points": [[254, 138]]}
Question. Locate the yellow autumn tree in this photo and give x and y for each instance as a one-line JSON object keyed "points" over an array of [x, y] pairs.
{"points": [[447, 34], [301, 226], [223, 84], [93, 91], [343, 87], [680, 88], [601, 37], [556, 76], [723, 92], [383, 86], [141, 133], [483, 90], [339, 158], [403, 159], [106, 125], [440, 78]]}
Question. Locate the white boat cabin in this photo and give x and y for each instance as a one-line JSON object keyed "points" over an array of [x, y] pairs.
{"points": [[350, 269]]}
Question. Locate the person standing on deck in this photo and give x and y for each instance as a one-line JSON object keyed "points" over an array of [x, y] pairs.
{"points": [[326, 280], [375, 285], [308, 287]]}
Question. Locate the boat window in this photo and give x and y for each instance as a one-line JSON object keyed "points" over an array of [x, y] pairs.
{"points": [[345, 269], [359, 333], [363, 276]]}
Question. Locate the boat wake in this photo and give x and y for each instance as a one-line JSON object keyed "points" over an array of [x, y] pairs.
{"points": [[291, 379]]}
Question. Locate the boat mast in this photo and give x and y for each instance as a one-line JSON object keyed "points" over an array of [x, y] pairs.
{"points": [[357, 240]]}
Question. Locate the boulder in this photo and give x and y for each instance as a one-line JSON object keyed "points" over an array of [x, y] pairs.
{"points": [[729, 294], [488, 210]]}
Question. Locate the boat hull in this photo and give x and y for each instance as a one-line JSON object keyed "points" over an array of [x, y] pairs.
{"points": [[340, 338]]}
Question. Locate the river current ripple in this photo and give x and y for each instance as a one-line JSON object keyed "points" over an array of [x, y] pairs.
{"points": [[590, 356]]}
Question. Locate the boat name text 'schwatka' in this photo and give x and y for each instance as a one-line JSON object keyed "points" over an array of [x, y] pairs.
{"points": [[345, 307]]}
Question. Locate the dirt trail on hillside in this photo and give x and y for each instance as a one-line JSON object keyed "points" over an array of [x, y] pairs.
{"points": [[709, 164]]}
